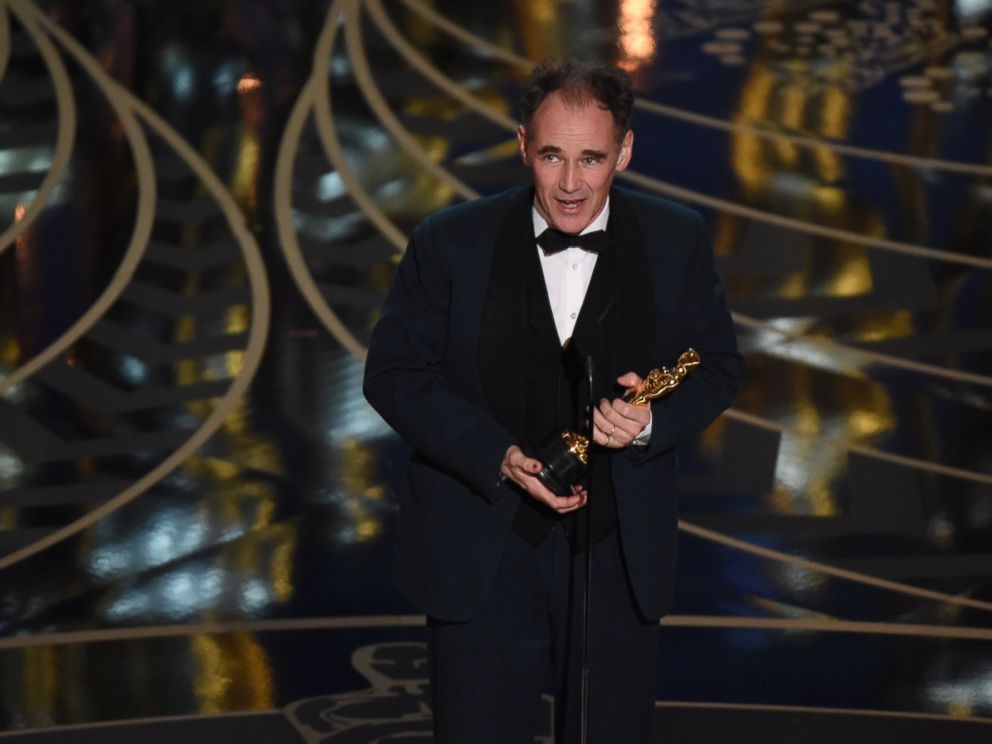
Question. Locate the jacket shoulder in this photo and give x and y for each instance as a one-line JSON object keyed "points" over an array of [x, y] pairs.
{"points": [[478, 216], [650, 209]]}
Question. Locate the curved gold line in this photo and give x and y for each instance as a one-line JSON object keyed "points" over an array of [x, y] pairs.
{"points": [[146, 201], [700, 705], [840, 573], [866, 712], [419, 62], [137, 721], [710, 122], [827, 626], [291, 250], [802, 226], [353, 622], [457, 91], [65, 132], [376, 101], [798, 140], [325, 125], [846, 444], [872, 356], [4, 40], [260, 307], [381, 109], [378, 216]]}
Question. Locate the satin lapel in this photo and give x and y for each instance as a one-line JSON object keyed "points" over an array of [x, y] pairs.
{"points": [[539, 313], [501, 361], [594, 329], [634, 329]]}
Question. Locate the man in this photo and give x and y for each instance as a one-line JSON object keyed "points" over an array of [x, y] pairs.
{"points": [[477, 359]]}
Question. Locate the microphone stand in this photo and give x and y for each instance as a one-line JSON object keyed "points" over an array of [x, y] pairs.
{"points": [[587, 598]]}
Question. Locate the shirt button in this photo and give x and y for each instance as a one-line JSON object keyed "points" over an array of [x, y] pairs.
{"points": [[575, 266], [573, 316]]}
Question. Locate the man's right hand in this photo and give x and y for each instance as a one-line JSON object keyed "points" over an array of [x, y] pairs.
{"points": [[523, 471]]}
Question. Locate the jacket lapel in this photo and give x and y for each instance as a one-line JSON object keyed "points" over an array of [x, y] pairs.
{"points": [[634, 330], [504, 321]]}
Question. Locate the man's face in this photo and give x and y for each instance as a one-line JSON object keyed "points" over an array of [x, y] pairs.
{"points": [[573, 154]]}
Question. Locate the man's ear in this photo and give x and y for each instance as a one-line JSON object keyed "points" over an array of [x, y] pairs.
{"points": [[626, 149], [522, 140]]}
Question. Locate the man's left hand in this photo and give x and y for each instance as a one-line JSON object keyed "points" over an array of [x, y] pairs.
{"points": [[617, 423]]}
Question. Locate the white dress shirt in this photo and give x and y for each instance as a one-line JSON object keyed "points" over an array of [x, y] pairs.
{"points": [[567, 275]]}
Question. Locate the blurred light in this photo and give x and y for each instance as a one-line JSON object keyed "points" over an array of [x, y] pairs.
{"points": [[254, 596], [11, 468], [330, 186], [225, 79], [636, 25], [176, 68], [249, 82], [134, 370], [967, 8]]}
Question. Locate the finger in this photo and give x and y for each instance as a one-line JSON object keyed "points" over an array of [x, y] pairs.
{"points": [[629, 380], [631, 418], [537, 490], [618, 431], [526, 464], [582, 502]]}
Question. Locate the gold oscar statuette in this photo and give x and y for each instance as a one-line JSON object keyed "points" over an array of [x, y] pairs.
{"points": [[566, 458]]}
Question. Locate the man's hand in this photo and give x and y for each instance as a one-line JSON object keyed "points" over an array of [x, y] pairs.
{"points": [[523, 471], [617, 423]]}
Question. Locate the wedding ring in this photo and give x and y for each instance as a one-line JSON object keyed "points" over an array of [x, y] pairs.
{"points": [[609, 438], [613, 430]]}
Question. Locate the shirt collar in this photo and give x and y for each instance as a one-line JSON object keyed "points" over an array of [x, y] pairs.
{"points": [[598, 223]]}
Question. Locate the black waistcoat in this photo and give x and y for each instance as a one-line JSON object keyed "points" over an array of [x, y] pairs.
{"points": [[517, 317], [556, 393]]}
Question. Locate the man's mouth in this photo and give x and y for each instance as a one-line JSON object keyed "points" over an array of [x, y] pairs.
{"points": [[570, 205]]}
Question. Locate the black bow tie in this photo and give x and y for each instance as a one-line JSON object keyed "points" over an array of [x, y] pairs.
{"points": [[554, 241]]}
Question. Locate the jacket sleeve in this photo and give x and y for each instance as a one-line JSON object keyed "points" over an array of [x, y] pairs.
{"points": [[404, 379], [710, 388]]}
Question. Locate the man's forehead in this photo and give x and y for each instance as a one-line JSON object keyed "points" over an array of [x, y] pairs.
{"points": [[559, 122]]}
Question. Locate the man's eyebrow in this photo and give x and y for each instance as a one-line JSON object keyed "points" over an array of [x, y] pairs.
{"points": [[549, 148], [598, 154]]}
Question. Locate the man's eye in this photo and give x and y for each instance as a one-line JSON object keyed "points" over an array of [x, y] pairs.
{"points": [[592, 161], [551, 158]]}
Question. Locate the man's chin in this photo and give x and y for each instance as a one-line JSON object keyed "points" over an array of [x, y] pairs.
{"points": [[571, 224]]}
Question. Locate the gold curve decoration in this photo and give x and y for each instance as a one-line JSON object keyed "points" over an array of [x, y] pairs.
{"points": [[65, 133], [376, 101], [872, 356], [114, 724], [324, 119], [464, 96], [145, 213], [710, 122], [355, 622], [802, 226], [846, 444], [260, 307], [291, 251], [285, 159], [826, 568], [697, 705], [866, 712]]}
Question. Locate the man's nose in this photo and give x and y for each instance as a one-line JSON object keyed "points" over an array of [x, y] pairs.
{"points": [[569, 180]]}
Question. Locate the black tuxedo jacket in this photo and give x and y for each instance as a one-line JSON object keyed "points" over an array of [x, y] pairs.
{"points": [[444, 369]]}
